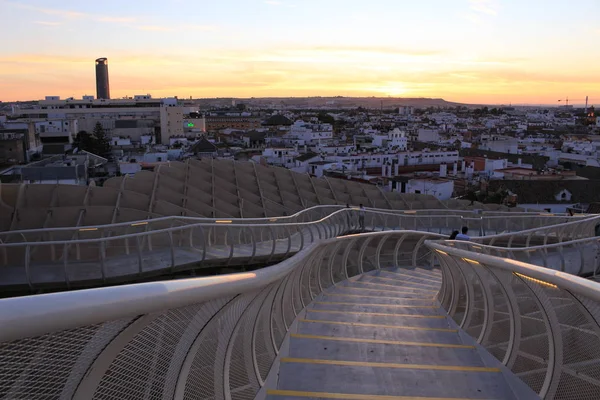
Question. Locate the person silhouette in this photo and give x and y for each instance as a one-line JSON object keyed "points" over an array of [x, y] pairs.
{"points": [[463, 235]]}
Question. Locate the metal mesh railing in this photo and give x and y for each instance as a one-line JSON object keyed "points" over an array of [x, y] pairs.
{"points": [[542, 324], [218, 337], [198, 338], [569, 229], [579, 257], [119, 253]]}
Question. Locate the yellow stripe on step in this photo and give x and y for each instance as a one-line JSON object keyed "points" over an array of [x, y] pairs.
{"points": [[320, 310], [347, 396], [379, 341], [373, 305], [413, 328], [376, 297], [389, 365]]}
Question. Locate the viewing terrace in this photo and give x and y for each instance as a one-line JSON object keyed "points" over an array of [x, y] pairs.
{"points": [[323, 306]]}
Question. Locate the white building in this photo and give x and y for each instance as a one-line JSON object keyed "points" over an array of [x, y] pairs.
{"points": [[129, 117], [303, 133], [442, 118], [171, 119], [280, 156], [406, 110], [119, 141], [318, 168], [500, 144], [428, 135], [395, 139], [195, 125], [333, 150], [440, 188], [47, 129]]}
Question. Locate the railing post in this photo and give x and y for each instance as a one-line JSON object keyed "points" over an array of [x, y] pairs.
{"points": [[172, 251], [27, 267], [345, 257], [274, 243], [52, 249], [204, 244], [301, 232], [378, 251], [319, 230], [65, 264], [416, 249], [77, 249], [253, 242], [332, 260], [397, 248], [232, 250], [289, 236], [553, 330], [361, 253], [102, 260], [138, 245]]}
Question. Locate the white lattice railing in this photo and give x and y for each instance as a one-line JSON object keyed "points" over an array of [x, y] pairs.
{"points": [[65, 258], [219, 337], [542, 324]]}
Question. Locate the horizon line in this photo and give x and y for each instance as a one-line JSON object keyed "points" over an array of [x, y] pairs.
{"points": [[330, 97]]}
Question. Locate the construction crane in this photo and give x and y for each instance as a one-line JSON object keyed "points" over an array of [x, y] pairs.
{"points": [[566, 101]]}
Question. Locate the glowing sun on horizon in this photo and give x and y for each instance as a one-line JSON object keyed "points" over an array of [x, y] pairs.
{"points": [[392, 89]]}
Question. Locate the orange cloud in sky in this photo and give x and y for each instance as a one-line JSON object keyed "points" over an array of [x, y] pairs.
{"points": [[492, 51], [309, 71]]}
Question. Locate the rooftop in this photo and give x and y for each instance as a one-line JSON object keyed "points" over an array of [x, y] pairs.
{"points": [[434, 180], [306, 157]]}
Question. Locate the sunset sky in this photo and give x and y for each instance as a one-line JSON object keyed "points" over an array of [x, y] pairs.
{"points": [[473, 51]]}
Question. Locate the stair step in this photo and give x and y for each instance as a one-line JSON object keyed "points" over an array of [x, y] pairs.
{"points": [[403, 275], [392, 379], [366, 299], [436, 321], [401, 332], [395, 283], [349, 287], [381, 351], [391, 308], [403, 279], [298, 395], [394, 293]]}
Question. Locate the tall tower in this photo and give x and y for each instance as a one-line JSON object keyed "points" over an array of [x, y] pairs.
{"points": [[102, 86]]}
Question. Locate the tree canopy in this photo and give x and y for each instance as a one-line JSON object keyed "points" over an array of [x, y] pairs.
{"points": [[326, 118], [96, 143]]}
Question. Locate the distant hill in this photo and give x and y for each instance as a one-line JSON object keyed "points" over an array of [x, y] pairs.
{"points": [[346, 102]]}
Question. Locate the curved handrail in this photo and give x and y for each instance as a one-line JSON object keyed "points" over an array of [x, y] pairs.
{"points": [[35, 315], [570, 282], [129, 295], [237, 323], [542, 324], [583, 226], [98, 256], [270, 220], [233, 222], [553, 255]]}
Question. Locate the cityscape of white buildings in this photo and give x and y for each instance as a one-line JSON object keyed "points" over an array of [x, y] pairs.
{"points": [[441, 152]]}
